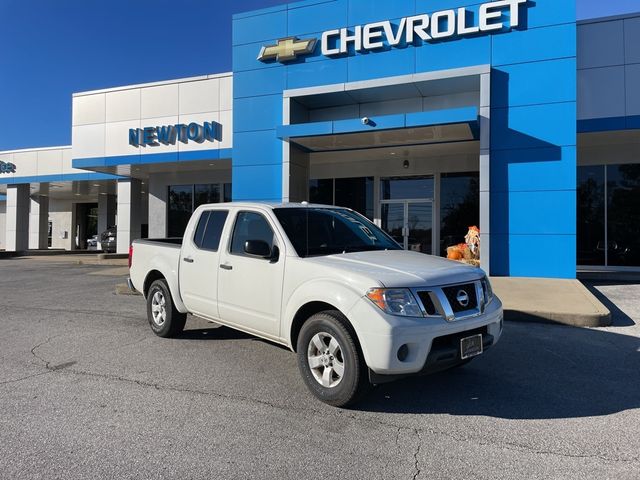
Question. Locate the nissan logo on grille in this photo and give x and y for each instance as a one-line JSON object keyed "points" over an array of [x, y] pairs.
{"points": [[463, 298]]}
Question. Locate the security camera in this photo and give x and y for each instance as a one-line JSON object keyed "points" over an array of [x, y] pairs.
{"points": [[366, 120]]}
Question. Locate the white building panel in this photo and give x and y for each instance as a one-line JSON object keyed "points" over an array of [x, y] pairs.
{"points": [[89, 109], [26, 163], [226, 122], [67, 163], [160, 101], [50, 162], [116, 138], [123, 105], [88, 141], [199, 96], [226, 93], [164, 104]]}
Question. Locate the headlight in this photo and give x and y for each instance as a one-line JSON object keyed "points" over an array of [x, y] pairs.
{"points": [[395, 301], [487, 290]]}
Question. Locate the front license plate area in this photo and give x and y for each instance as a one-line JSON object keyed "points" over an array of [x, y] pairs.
{"points": [[471, 346]]}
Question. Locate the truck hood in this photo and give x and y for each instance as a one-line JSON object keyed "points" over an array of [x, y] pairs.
{"points": [[399, 268]]}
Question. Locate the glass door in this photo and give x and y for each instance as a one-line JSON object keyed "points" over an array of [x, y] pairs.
{"points": [[410, 223], [420, 227], [394, 222]]}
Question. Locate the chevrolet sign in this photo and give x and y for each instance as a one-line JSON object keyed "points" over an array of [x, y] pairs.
{"points": [[408, 31], [287, 49]]}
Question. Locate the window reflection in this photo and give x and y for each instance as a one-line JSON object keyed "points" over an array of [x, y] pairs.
{"points": [[184, 199], [354, 193], [623, 205], [406, 188], [590, 228], [459, 207], [180, 209], [611, 193]]}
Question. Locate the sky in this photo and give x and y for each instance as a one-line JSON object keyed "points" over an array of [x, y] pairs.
{"points": [[52, 48]]}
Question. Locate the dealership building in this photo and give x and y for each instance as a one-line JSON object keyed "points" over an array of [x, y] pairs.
{"points": [[427, 116]]}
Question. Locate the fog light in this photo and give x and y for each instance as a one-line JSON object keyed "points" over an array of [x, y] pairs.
{"points": [[403, 353]]}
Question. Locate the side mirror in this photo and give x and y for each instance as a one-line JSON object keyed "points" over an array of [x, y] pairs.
{"points": [[257, 248]]}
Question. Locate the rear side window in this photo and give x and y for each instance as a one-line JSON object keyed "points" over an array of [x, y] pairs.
{"points": [[209, 229], [202, 225]]}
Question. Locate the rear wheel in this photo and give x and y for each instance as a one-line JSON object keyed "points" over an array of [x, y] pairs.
{"points": [[165, 320], [330, 361]]}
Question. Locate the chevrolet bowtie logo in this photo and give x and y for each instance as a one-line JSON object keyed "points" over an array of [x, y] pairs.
{"points": [[287, 49]]}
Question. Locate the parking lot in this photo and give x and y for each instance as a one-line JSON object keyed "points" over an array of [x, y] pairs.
{"points": [[87, 391]]}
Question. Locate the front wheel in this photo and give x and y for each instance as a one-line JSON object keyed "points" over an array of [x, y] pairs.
{"points": [[165, 320], [330, 361]]}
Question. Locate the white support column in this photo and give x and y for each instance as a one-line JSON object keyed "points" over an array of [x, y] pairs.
{"points": [[106, 214], [128, 213], [17, 225], [158, 200], [485, 172], [38, 222]]}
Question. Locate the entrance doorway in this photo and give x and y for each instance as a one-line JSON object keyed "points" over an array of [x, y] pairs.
{"points": [[86, 231], [410, 223], [407, 211]]}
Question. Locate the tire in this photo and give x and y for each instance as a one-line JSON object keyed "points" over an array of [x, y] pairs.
{"points": [[339, 376], [164, 319]]}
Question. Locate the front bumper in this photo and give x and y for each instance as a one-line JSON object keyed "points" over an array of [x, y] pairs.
{"points": [[432, 343]]}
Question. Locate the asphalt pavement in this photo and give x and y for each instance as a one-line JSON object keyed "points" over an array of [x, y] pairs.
{"points": [[87, 391]]}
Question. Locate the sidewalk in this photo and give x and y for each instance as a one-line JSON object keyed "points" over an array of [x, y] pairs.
{"points": [[567, 302], [84, 259]]}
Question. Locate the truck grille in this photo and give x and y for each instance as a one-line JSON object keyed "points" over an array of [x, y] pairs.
{"points": [[427, 303], [461, 297]]}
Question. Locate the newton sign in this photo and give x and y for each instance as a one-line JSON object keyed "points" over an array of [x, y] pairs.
{"points": [[170, 134]]}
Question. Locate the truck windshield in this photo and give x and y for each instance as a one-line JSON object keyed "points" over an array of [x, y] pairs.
{"points": [[328, 231]]}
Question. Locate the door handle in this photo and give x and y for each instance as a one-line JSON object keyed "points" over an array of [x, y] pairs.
{"points": [[226, 267], [188, 260]]}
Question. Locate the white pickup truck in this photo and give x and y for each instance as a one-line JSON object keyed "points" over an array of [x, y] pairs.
{"points": [[325, 282]]}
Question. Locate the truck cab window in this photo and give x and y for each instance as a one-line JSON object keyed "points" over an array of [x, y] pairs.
{"points": [[209, 229], [250, 226]]}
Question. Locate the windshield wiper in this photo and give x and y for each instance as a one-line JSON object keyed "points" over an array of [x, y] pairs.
{"points": [[362, 248]]}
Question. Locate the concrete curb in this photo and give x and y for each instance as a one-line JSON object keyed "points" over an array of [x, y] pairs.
{"points": [[566, 302]]}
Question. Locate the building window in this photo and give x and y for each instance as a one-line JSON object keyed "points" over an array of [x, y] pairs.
{"points": [[406, 188], [321, 191], [206, 194], [354, 193], [227, 192], [459, 207], [609, 215], [591, 213], [184, 199]]}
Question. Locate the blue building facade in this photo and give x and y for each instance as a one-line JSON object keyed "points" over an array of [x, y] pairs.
{"points": [[526, 106], [426, 116]]}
